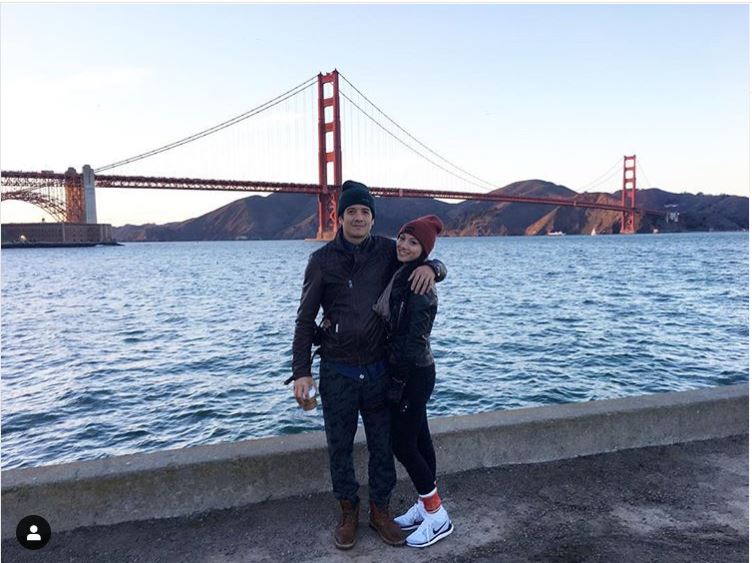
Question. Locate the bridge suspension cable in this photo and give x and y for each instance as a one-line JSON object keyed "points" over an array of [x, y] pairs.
{"points": [[237, 119], [484, 184], [641, 171], [603, 177]]}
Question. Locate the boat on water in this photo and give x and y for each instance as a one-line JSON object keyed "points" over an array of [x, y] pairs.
{"points": [[593, 232], [555, 234]]}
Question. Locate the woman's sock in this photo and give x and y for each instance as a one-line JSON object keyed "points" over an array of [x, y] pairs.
{"points": [[431, 501]]}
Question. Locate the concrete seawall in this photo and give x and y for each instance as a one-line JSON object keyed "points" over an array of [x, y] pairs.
{"points": [[192, 480]]}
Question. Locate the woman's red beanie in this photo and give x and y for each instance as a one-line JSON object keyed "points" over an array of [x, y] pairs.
{"points": [[425, 229]]}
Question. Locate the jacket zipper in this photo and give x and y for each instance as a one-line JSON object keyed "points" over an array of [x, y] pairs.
{"points": [[354, 308]]}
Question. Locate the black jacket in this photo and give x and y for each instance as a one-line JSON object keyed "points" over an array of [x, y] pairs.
{"points": [[410, 324], [346, 284]]}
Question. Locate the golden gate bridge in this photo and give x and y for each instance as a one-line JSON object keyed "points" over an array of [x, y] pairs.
{"points": [[70, 196]]}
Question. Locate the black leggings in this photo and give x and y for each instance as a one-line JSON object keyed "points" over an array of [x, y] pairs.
{"points": [[411, 439]]}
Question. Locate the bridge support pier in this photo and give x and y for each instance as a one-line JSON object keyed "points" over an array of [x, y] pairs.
{"points": [[74, 197], [327, 208], [90, 201], [80, 199]]}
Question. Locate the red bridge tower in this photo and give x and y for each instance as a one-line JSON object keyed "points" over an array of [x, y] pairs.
{"points": [[329, 196], [629, 191]]}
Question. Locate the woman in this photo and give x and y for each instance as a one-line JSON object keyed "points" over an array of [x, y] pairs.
{"points": [[409, 319]]}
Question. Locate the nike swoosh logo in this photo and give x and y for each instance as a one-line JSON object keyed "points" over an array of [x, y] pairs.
{"points": [[441, 529]]}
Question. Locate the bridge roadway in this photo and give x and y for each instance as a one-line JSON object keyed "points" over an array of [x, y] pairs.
{"points": [[680, 503], [17, 181]]}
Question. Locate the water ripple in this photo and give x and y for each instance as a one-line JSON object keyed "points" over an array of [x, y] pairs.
{"points": [[194, 348]]}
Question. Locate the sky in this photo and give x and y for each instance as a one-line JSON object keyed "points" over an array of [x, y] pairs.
{"points": [[507, 92]]}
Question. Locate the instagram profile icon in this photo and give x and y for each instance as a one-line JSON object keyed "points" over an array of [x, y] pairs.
{"points": [[33, 532]]}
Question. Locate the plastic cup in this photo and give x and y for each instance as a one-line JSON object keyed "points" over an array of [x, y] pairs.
{"points": [[309, 404]]}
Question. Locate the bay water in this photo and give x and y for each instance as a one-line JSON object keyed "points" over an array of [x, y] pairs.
{"points": [[149, 346]]}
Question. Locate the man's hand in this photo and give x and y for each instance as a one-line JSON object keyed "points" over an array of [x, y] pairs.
{"points": [[423, 278], [301, 387]]}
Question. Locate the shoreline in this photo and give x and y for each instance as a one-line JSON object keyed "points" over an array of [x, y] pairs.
{"points": [[57, 244], [542, 236]]}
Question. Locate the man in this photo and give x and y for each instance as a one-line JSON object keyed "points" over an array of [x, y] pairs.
{"points": [[345, 278]]}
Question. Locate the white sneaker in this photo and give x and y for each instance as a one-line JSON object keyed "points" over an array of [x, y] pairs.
{"points": [[411, 519], [433, 528]]}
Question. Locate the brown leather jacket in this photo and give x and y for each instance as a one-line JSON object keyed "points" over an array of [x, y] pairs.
{"points": [[346, 283]]}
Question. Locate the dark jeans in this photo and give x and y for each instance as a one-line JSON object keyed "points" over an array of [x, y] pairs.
{"points": [[411, 439], [342, 398]]}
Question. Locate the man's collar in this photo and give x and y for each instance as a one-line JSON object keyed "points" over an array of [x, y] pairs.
{"points": [[349, 246]]}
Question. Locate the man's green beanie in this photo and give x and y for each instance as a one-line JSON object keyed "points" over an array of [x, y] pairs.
{"points": [[355, 193]]}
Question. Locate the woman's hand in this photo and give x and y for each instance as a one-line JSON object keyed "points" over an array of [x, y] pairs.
{"points": [[395, 390], [398, 375]]}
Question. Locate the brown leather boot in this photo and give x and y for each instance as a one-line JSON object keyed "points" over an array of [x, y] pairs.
{"points": [[344, 533], [381, 520]]}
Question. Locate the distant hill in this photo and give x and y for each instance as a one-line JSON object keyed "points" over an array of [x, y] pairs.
{"points": [[293, 216], [699, 212]]}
